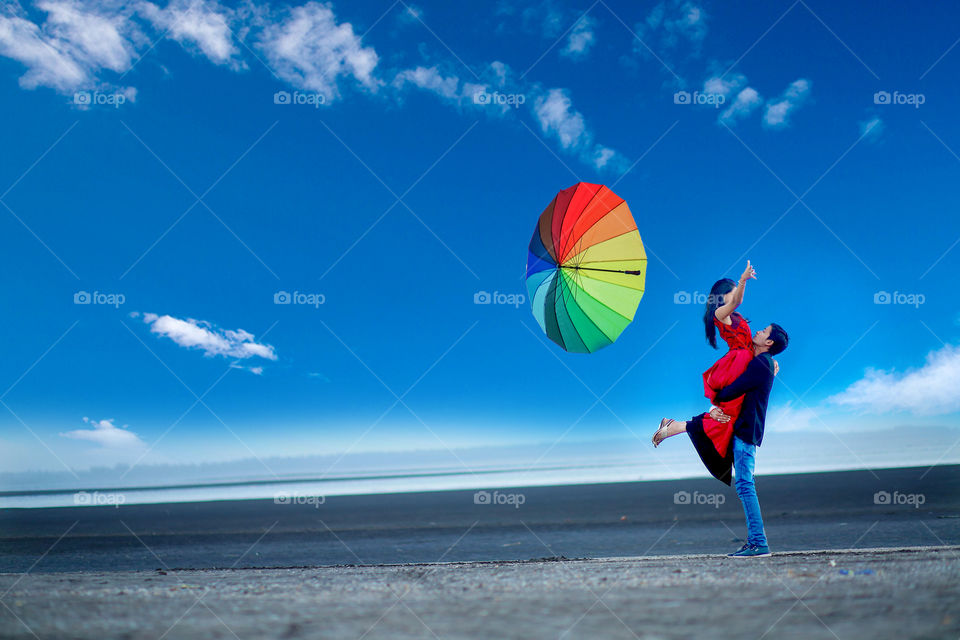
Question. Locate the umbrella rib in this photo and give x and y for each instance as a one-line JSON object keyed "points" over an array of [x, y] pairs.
{"points": [[629, 273], [573, 327], [590, 318]]}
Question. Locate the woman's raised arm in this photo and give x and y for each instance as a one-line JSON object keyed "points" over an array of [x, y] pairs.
{"points": [[723, 312]]}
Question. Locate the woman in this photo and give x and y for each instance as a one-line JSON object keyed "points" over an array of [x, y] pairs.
{"points": [[712, 440]]}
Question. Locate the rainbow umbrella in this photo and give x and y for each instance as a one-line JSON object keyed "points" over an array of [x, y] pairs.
{"points": [[586, 268]]}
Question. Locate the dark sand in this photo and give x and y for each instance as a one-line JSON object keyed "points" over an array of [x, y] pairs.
{"points": [[869, 594], [803, 511], [202, 570]]}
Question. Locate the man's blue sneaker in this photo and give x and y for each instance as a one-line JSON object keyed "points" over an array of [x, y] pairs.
{"points": [[751, 551]]}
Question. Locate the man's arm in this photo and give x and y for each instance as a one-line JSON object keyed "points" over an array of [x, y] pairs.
{"points": [[755, 375]]}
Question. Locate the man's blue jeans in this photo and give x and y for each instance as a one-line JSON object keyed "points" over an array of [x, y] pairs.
{"points": [[744, 455]]}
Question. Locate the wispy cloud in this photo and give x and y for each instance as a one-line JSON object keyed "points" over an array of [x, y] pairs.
{"points": [[81, 46], [743, 100], [926, 390], [78, 44], [724, 85], [558, 119], [107, 435], [742, 106], [551, 21], [547, 17], [672, 25], [778, 111], [430, 79], [789, 417], [205, 337], [71, 47], [580, 39], [196, 24], [552, 109], [310, 49], [410, 14]]}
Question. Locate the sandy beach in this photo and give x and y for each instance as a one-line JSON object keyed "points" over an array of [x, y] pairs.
{"points": [[857, 554], [882, 593]]}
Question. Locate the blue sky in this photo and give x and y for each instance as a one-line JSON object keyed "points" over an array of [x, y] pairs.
{"points": [[148, 157]]}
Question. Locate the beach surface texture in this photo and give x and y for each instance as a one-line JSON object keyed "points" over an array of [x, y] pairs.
{"points": [[867, 593], [857, 554]]}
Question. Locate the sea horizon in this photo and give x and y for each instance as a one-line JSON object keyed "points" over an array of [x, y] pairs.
{"points": [[312, 478]]}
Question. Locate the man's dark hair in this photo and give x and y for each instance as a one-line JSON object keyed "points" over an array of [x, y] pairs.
{"points": [[779, 337]]}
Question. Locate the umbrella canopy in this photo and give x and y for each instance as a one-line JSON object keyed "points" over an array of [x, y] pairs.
{"points": [[586, 268]]}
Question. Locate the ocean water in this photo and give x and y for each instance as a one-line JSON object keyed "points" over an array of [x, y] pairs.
{"points": [[311, 479]]}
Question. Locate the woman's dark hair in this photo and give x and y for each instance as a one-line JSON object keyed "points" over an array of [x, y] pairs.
{"points": [[715, 301]]}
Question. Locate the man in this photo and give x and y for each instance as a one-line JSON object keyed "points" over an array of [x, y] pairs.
{"points": [[754, 385]]}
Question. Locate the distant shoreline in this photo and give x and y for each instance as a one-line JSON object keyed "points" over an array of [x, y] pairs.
{"points": [[389, 484]]}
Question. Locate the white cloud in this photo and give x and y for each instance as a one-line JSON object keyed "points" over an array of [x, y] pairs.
{"points": [[786, 417], [871, 128], [746, 101], [309, 49], [729, 85], [581, 38], [107, 435], [213, 341], [778, 112], [197, 23], [553, 109], [430, 79], [411, 13], [602, 156], [724, 85], [671, 24], [97, 40], [929, 389], [47, 64], [73, 45], [557, 117], [551, 20], [545, 17], [449, 86], [80, 44]]}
